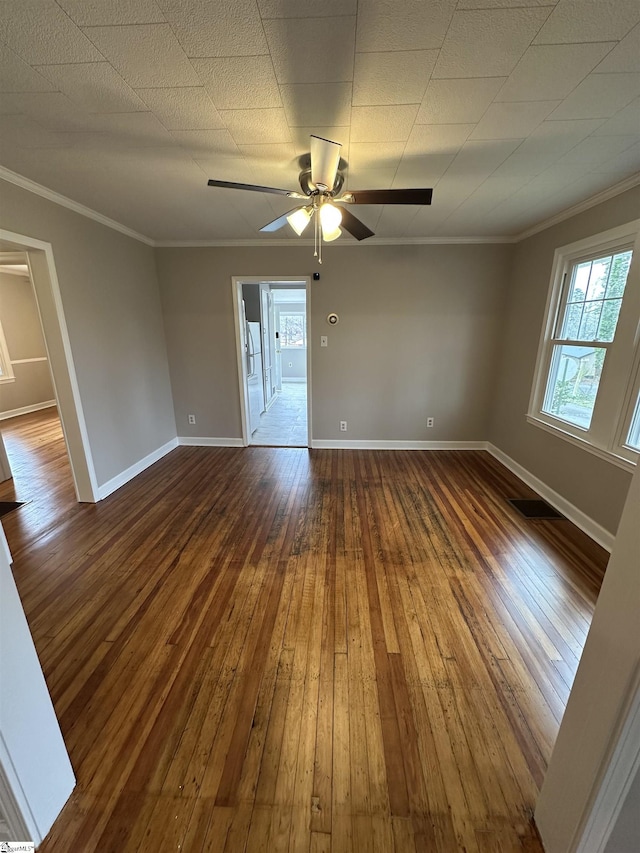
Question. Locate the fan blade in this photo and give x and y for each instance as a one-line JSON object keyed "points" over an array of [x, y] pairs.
{"points": [[230, 185], [279, 222], [422, 196], [325, 157], [353, 225]]}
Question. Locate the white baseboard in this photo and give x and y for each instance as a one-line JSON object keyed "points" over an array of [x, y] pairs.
{"points": [[575, 515], [137, 468], [359, 444], [191, 441], [26, 410]]}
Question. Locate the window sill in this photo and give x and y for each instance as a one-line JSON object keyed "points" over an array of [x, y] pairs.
{"points": [[608, 455], [4, 379]]}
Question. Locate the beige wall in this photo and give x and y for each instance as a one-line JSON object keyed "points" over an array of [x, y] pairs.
{"points": [[417, 336], [595, 486], [109, 292], [23, 334]]}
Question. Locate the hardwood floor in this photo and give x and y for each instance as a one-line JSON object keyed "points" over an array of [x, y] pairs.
{"points": [[279, 649]]}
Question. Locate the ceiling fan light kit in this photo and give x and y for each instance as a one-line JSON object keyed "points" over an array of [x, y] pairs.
{"points": [[321, 185]]}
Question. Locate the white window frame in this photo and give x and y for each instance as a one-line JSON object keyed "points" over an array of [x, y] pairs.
{"points": [[6, 367], [620, 380], [281, 308]]}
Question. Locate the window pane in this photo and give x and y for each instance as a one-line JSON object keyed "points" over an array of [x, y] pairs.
{"points": [[618, 275], [634, 433], [573, 383], [598, 278], [292, 330], [590, 321], [594, 298]]}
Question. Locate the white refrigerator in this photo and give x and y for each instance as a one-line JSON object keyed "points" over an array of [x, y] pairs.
{"points": [[254, 375]]}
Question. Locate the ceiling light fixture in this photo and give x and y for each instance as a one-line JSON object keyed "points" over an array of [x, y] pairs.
{"points": [[300, 218]]}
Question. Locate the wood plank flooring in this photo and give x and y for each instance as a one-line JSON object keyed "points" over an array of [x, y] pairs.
{"points": [[279, 649]]}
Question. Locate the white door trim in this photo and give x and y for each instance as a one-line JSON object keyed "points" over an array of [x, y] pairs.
{"points": [[236, 289], [44, 278]]}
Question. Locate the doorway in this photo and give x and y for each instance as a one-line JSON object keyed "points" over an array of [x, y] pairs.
{"points": [[272, 321], [44, 280]]}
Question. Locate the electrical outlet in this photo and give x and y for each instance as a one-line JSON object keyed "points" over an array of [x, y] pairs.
{"points": [[429, 422], [343, 426], [192, 419]]}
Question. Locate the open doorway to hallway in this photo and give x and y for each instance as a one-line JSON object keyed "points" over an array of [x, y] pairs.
{"points": [[273, 321]]}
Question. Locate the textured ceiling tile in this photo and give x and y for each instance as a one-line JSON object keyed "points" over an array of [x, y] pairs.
{"points": [[550, 72], [395, 77], [478, 159], [21, 131], [623, 164], [364, 156], [382, 124], [137, 130], [146, 55], [312, 50], [413, 25], [88, 13], [225, 168], [17, 76], [597, 150], [54, 111], [395, 219], [238, 36], [627, 121], [599, 96], [186, 108], [218, 28], [336, 134], [95, 86], [41, 33], [512, 120], [366, 179], [207, 143], [458, 101], [545, 146], [245, 82], [256, 127], [625, 56], [280, 155], [422, 170], [585, 20], [437, 138], [306, 8], [327, 104], [487, 43]]}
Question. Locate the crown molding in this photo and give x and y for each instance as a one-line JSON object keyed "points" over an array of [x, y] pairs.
{"points": [[574, 210], [57, 198], [294, 241], [70, 204]]}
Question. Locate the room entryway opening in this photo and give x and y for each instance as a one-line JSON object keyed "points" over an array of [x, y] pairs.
{"points": [[54, 361], [272, 322]]}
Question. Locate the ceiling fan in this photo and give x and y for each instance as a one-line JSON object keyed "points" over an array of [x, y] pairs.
{"points": [[321, 181]]}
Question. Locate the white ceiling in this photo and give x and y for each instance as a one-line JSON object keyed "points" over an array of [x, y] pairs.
{"points": [[513, 110]]}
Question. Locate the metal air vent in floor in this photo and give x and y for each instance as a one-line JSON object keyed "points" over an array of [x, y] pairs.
{"points": [[535, 509]]}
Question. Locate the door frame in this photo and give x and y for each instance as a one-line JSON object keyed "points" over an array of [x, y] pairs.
{"points": [[44, 280], [236, 289]]}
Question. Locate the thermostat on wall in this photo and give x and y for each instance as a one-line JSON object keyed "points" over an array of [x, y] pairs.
{"points": [[332, 319]]}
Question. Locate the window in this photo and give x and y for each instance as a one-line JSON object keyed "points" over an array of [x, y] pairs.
{"points": [[293, 329], [633, 437], [586, 357], [6, 371]]}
